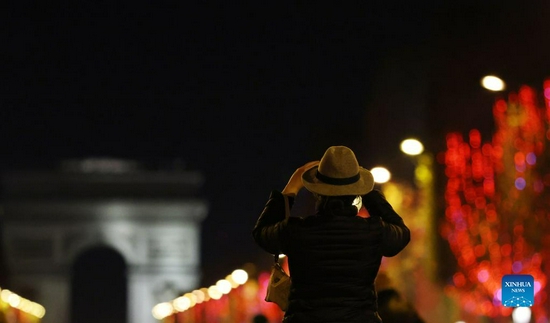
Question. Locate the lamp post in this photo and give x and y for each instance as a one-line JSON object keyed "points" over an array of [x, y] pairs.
{"points": [[425, 213], [424, 230]]}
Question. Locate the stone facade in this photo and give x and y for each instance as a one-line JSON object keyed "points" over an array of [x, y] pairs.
{"points": [[151, 218]]}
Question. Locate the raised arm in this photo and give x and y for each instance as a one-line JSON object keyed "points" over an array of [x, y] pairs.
{"points": [[269, 228], [396, 234]]}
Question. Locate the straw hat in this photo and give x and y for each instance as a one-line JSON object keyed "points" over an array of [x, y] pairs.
{"points": [[337, 174]]}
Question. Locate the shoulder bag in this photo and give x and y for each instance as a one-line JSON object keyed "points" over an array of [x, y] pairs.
{"points": [[279, 285]]}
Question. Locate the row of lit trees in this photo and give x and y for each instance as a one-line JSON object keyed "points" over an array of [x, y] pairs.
{"points": [[236, 298], [498, 205], [17, 309]]}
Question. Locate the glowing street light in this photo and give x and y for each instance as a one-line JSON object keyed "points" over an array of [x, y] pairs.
{"points": [[412, 147], [181, 304], [381, 174], [214, 292], [224, 286], [239, 276], [162, 310], [492, 83], [521, 315]]}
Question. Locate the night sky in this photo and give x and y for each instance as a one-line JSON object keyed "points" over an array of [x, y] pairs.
{"points": [[245, 92]]}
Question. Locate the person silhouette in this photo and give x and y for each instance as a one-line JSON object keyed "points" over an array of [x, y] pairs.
{"points": [[260, 318], [393, 308], [333, 255]]}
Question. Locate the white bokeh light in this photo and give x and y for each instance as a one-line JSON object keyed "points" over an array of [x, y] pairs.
{"points": [[380, 174], [412, 147], [492, 83], [239, 276], [181, 304], [521, 315], [224, 286], [162, 310], [214, 292]]}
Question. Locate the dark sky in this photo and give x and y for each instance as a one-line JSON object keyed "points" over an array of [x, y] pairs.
{"points": [[245, 92]]}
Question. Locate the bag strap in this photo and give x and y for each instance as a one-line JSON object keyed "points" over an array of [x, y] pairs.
{"points": [[287, 214]]}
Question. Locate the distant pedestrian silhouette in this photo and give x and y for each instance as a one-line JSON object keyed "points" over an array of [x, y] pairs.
{"points": [[393, 308], [260, 318]]}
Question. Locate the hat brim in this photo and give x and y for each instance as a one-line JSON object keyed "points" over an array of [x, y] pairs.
{"points": [[364, 185]]}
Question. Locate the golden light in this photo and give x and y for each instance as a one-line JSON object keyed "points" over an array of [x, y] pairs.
{"points": [[162, 310], [26, 305], [412, 147], [37, 310], [204, 290], [188, 300], [239, 276], [181, 303], [5, 295], [14, 300], [423, 173], [199, 295], [380, 174], [492, 83], [214, 292], [224, 286], [192, 299], [22, 303], [231, 281]]}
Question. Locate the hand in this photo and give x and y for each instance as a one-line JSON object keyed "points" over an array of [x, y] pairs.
{"points": [[294, 184]]}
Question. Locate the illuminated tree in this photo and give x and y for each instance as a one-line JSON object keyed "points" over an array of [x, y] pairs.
{"points": [[497, 195]]}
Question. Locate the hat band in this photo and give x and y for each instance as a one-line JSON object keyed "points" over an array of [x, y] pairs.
{"points": [[337, 181]]}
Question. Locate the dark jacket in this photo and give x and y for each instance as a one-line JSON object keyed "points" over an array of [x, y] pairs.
{"points": [[333, 260]]}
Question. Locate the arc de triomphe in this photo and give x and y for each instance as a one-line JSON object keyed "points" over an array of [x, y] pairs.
{"points": [[150, 218]]}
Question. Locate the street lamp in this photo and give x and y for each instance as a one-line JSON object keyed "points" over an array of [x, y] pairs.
{"points": [[423, 221], [493, 83], [381, 174], [412, 147]]}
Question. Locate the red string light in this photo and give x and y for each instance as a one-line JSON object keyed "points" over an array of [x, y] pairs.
{"points": [[498, 205]]}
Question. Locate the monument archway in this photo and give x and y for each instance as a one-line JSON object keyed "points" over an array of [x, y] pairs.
{"points": [[150, 219]]}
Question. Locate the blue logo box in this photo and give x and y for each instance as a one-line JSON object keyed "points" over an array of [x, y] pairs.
{"points": [[518, 290]]}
